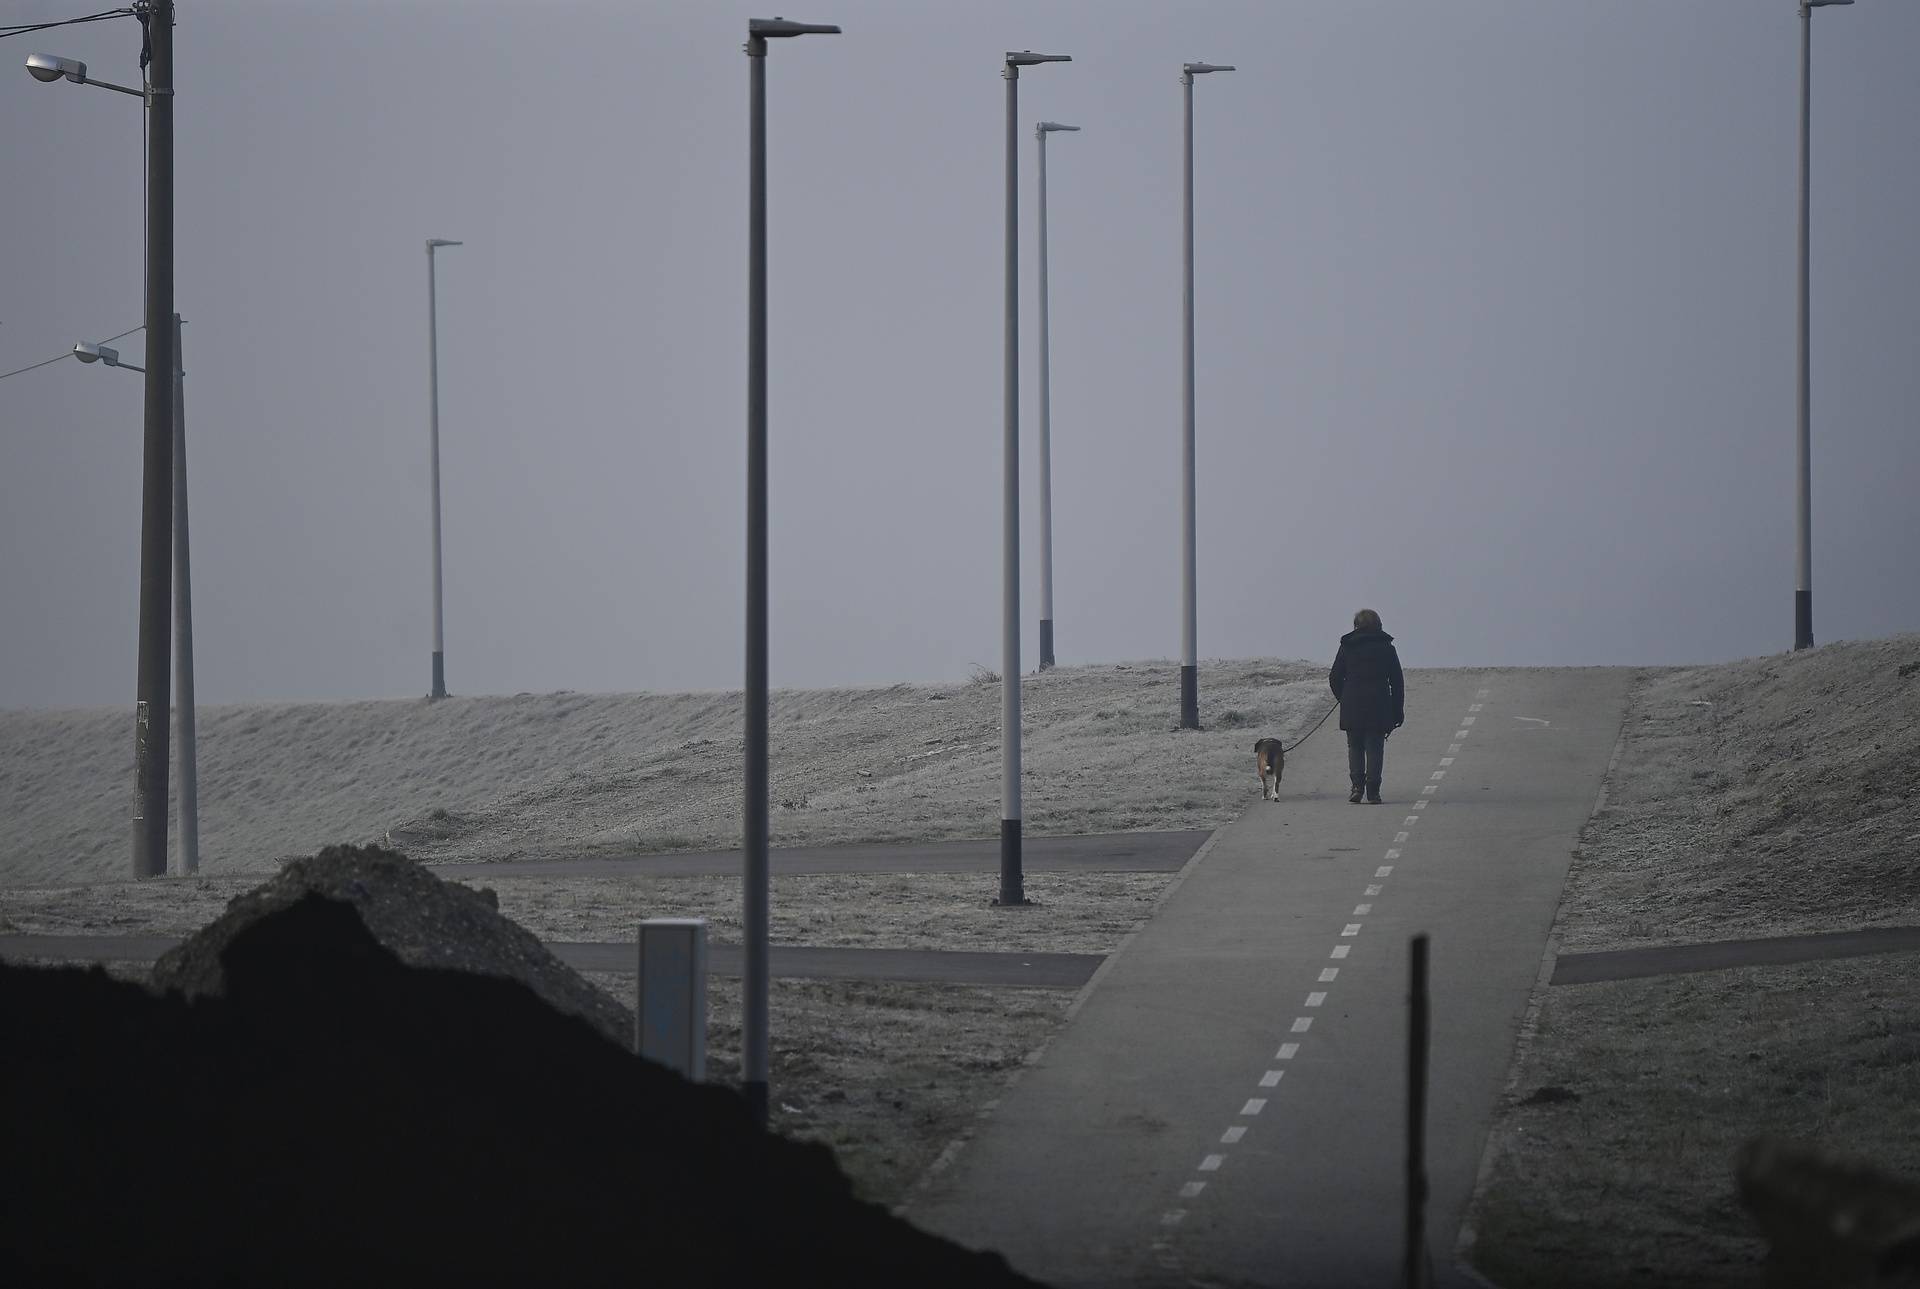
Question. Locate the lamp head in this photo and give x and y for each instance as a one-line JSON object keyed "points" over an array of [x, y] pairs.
{"points": [[50, 68], [771, 27], [1815, 4], [1027, 58], [441, 241], [1200, 69], [88, 352], [1048, 127]]}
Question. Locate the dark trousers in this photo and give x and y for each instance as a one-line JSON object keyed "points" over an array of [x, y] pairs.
{"points": [[1366, 749]]}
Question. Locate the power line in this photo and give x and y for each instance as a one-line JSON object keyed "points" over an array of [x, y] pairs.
{"points": [[57, 357], [21, 29]]}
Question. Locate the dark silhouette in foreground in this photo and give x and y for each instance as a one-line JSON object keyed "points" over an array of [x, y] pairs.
{"points": [[340, 1118]]}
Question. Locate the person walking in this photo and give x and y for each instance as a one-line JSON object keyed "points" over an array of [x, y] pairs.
{"points": [[1373, 700]]}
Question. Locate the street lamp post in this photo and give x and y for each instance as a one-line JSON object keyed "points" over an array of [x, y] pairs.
{"points": [[754, 895], [439, 689], [1189, 657], [151, 698], [1012, 887], [1040, 133], [1803, 486], [187, 848]]}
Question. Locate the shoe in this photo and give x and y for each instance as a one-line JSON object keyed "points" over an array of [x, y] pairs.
{"points": [[1373, 797], [1353, 798]]}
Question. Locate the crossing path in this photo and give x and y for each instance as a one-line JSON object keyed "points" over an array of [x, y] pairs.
{"points": [[1226, 1104]]}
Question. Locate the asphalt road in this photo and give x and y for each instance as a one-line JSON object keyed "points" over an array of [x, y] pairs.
{"points": [[1036, 970], [1228, 1103], [1125, 852]]}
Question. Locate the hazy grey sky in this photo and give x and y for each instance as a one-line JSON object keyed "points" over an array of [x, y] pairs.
{"points": [[1495, 304]]}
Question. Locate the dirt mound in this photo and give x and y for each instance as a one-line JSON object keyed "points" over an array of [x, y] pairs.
{"points": [[424, 921], [339, 1118]]}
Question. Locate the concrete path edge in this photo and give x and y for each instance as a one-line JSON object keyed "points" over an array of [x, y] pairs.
{"points": [[1530, 1022], [951, 1151]]}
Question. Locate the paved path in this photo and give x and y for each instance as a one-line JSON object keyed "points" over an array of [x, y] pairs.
{"points": [[1718, 955], [1037, 970], [1226, 1106], [1125, 852]]}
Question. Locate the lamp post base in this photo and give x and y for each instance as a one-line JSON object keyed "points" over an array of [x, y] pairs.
{"points": [[1012, 884], [1803, 619], [1190, 698], [1046, 643], [439, 675]]}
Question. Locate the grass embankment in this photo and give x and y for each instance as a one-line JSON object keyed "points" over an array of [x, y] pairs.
{"points": [[1768, 797]]}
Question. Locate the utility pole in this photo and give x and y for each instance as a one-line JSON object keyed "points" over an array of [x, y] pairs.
{"points": [[188, 857], [157, 483]]}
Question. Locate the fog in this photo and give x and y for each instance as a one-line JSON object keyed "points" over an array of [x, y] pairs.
{"points": [[1495, 335]]}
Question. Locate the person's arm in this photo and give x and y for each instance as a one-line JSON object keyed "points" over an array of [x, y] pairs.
{"points": [[1399, 688], [1338, 676]]}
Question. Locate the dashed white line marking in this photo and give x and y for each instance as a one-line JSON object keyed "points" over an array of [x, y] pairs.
{"points": [[1254, 1105], [1480, 693], [1329, 974], [1172, 1216], [1461, 733], [1361, 910], [1211, 1164], [1286, 1051], [1474, 707], [1468, 720], [1410, 821], [1437, 775], [1426, 792], [1317, 997], [1418, 805], [1400, 836], [1385, 870], [1455, 747], [1271, 1079], [1374, 889], [1191, 1190], [1232, 1135], [1301, 1024], [1446, 760], [1352, 928], [1341, 950], [1393, 852]]}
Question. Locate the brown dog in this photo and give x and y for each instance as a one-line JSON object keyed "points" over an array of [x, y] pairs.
{"points": [[1269, 758]]}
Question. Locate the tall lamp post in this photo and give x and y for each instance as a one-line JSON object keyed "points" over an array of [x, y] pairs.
{"points": [[754, 886], [187, 851], [1012, 885], [439, 689], [1040, 133], [151, 697], [1803, 486], [1189, 654]]}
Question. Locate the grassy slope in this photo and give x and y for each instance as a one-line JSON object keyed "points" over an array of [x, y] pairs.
{"points": [[481, 778], [1766, 797]]}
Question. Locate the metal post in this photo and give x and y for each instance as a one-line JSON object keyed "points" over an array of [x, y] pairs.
{"points": [[156, 490], [439, 689], [187, 859], [1414, 1261], [1046, 428], [756, 985], [1012, 889], [1189, 659], [1803, 488]]}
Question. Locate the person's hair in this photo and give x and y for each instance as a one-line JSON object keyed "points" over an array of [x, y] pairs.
{"points": [[1367, 620]]}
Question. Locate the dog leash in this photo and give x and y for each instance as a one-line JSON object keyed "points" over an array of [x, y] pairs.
{"points": [[1316, 726]]}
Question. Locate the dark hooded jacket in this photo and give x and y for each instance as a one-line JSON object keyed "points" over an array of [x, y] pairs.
{"points": [[1366, 679]]}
